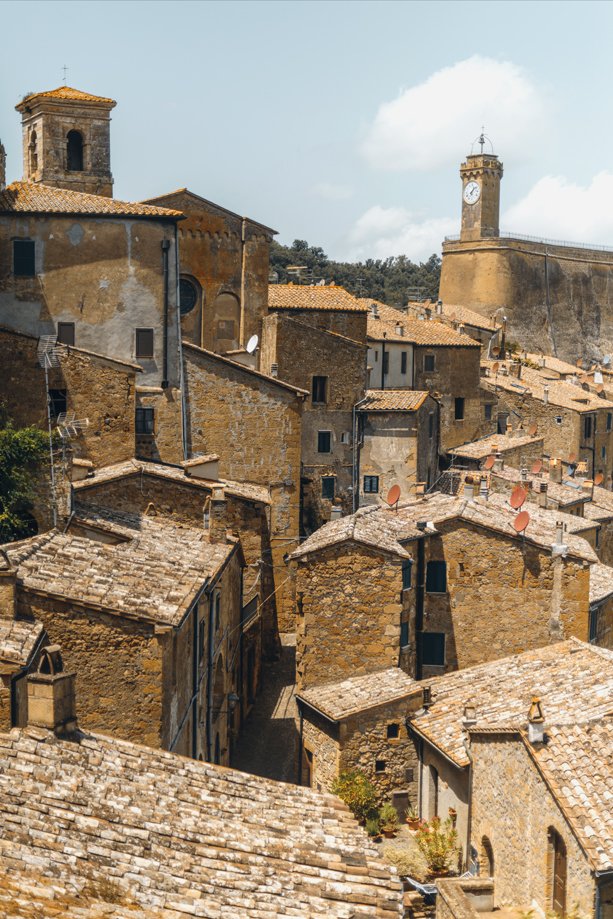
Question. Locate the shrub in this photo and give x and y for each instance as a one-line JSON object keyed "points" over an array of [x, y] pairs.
{"points": [[372, 826], [388, 817], [438, 841], [407, 860], [358, 793]]}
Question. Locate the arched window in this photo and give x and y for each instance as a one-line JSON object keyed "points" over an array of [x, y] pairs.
{"points": [[74, 151], [188, 295], [433, 791], [218, 688], [33, 152], [556, 858], [227, 312], [486, 859]]}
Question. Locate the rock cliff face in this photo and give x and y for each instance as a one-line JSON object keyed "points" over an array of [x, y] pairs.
{"points": [[557, 298]]}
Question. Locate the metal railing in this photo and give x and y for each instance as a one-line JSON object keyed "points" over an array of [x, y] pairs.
{"points": [[522, 237]]}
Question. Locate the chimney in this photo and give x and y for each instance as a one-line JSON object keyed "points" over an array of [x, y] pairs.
{"points": [[8, 589], [542, 360], [498, 462], [483, 489], [516, 369], [469, 490], [546, 393], [470, 715], [555, 470], [51, 694], [274, 370], [428, 312], [399, 329], [374, 310], [420, 489], [461, 328], [81, 469], [536, 721], [2, 167], [218, 511], [426, 697], [542, 494], [439, 307], [336, 512]]}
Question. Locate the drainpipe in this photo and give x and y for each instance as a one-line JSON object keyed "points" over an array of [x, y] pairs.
{"points": [[419, 605], [469, 819], [383, 362], [209, 685], [180, 351], [243, 260], [165, 248], [356, 458], [299, 782]]}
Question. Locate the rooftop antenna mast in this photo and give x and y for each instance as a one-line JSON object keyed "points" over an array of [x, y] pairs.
{"points": [[48, 357], [65, 69]]}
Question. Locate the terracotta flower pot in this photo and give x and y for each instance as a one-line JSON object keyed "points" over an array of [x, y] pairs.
{"points": [[413, 822]]}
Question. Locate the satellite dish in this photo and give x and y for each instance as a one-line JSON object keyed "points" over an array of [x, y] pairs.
{"points": [[532, 430], [518, 497], [572, 458], [489, 462], [606, 361], [495, 350], [521, 521], [495, 366], [599, 478], [252, 344], [452, 317], [393, 495], [537, 465]]}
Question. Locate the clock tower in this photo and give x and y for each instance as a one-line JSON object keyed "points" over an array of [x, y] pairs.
{"points": [[481, 175]]}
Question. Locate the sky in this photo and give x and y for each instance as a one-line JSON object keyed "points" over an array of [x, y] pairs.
{"points": [[342, 122]]}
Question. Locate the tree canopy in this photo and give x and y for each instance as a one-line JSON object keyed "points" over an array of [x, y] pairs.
{"points": [[23, 455], [394, 280]]}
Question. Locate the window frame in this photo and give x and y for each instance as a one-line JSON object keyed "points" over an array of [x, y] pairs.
{"points": [[58, 402], [138, 335], [328, 479], [319, 442], [407, 569], [488, 409], [142, 413], [404, 362], [459, 403], [430, 567], [31, 259], [442, 640], [430, 358], [63, 327], [317, 381], [370, 479]]}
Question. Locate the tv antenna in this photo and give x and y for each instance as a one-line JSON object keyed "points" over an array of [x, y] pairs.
{"points": [[47, 352]]}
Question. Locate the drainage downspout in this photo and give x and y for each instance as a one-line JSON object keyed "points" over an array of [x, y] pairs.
{"points": [[243, 260], [383, 362], [165, 248], [180, 349], [299, 782], [469, 819], [419, 606], [209, 685], [356, 457]]}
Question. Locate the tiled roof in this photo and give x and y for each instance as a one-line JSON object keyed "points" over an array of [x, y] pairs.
{"points": [[532, 382], [299, 297], [154, 572], [549, 362], [414, 331], [339, 700], [563, 495], [392, 400], [577, 763], [572, 679], [592, 512], [18, 640], [250, 371], [245, 490], [68, 93], [120, 824], [32, 198], [384, 528], [602, 497], [601, 583], [453, 313], [494, 443]]}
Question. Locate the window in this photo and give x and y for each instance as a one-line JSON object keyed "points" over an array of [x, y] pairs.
{"points": [[557, 862], [144, 342], [409, 775], [24, 258], [594, 625], [433, 649], [328, 483], [324, 442], [487, 412], [603, 453], [57, 401], [144, 421], [587, 427], [217, 610], [459, 409], [346, 437], [65, 333], [201, 640], [386, 362], [407, 568], [380, 765], [431, 425], [319, 390], [74, 151], [429, 363], [188, 296], [558, 419], [403, 362], [609, 421], [404, 634], [436, 578], [371, 484], [393, 731]]}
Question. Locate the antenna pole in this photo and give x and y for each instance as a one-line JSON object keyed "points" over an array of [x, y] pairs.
{"points": [[51, 460], [65, 69]]}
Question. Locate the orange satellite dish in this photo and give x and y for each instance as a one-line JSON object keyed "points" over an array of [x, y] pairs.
{"points": [[599, 479], [521, 521], [572, 458], [518, 497], [495, 366], [537, 465], [495, 350], [600, 389], [393, 495], [532, 430], [489, 462]]}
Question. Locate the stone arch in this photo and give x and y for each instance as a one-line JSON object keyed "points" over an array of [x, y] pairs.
{"points": [[486, 858], [227, 318], [33, 151], [74, 151], [432, 792]]}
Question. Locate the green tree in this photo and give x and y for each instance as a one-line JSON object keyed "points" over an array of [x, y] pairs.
{"points": [[23, 455], [358, 793]]}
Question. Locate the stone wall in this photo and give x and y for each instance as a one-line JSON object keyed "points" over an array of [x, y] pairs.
{"points": [[320, 748], [604, 628], [556, 298], [350, 323], [510, 802], [254, 424], [444, 786]]}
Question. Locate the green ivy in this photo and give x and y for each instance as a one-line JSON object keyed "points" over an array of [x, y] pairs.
{"points": [[24, 454]]}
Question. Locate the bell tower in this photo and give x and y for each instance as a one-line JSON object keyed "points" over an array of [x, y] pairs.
{"points": [[481, 175], [67, 140]]}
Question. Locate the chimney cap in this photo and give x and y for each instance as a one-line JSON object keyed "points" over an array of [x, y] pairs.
{"points": [[535, 713]]}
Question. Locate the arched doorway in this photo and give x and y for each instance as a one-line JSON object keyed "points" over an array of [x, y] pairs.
{"points": [[74, 151], [227, 317], [432, 792], [557, 871]]}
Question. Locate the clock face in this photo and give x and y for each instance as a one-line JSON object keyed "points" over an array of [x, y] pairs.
{"points": [[472, 193]]}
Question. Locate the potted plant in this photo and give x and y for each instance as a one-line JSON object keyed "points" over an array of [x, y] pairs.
{"points": [[373, 829], [438, 842], [453, 815], [412, 818], [388, 817]]}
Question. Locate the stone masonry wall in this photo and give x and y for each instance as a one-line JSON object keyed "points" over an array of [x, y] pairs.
{"points": [[343, 322], [510, 803], [320, 740], [456, 375]]}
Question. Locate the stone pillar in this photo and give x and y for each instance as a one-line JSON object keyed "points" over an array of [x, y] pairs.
{"points": [[51, 695], [218, 520]]}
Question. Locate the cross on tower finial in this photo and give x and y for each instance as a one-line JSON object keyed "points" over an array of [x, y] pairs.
{"points": [[65, 69], [482, 138]]}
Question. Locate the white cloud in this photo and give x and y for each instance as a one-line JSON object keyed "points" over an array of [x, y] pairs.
{"points": [[431, 124], [332, 192], [385, 231], [559, 209]]}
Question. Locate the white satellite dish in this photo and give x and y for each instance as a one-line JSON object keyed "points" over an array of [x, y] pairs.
{"points": [[598, 377], [252, 344], [606, 360]]}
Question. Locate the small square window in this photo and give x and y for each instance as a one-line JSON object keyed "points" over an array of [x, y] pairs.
{"points": [[409, 775], [65, 333], [603, 453], [403, 362], [319, 390], [371, 484], [24, 258], [144, 343], [324, 442], [558, 419], [587, 427], [429, 363], [393, 731], [433, 649], [144, 421], [436, 578], [459, 409], [487, 412], [380, 765], [58, 402], [328, 483], [345, 437]]}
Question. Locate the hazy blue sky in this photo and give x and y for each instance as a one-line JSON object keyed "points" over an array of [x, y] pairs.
{"points": [[342, 123]]}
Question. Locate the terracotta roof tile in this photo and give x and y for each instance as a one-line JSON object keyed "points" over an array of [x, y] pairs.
{"points": [[532, 382], [341, 699], [18, 639], [601, 583], [392, 400], [414, 331], [300, 297], [32, 198], [494, 443], [454, 313], [563, 494], [144, 832], [569, 677], [69, 93]]}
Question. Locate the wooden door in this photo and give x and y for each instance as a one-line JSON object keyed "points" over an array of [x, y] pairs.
{"points": [[559, 875]]}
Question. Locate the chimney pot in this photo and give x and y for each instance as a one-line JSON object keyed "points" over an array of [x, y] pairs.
{"points": [[51, 694], [545, 394], [536, 721], [218, 515], [274, 370]]}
